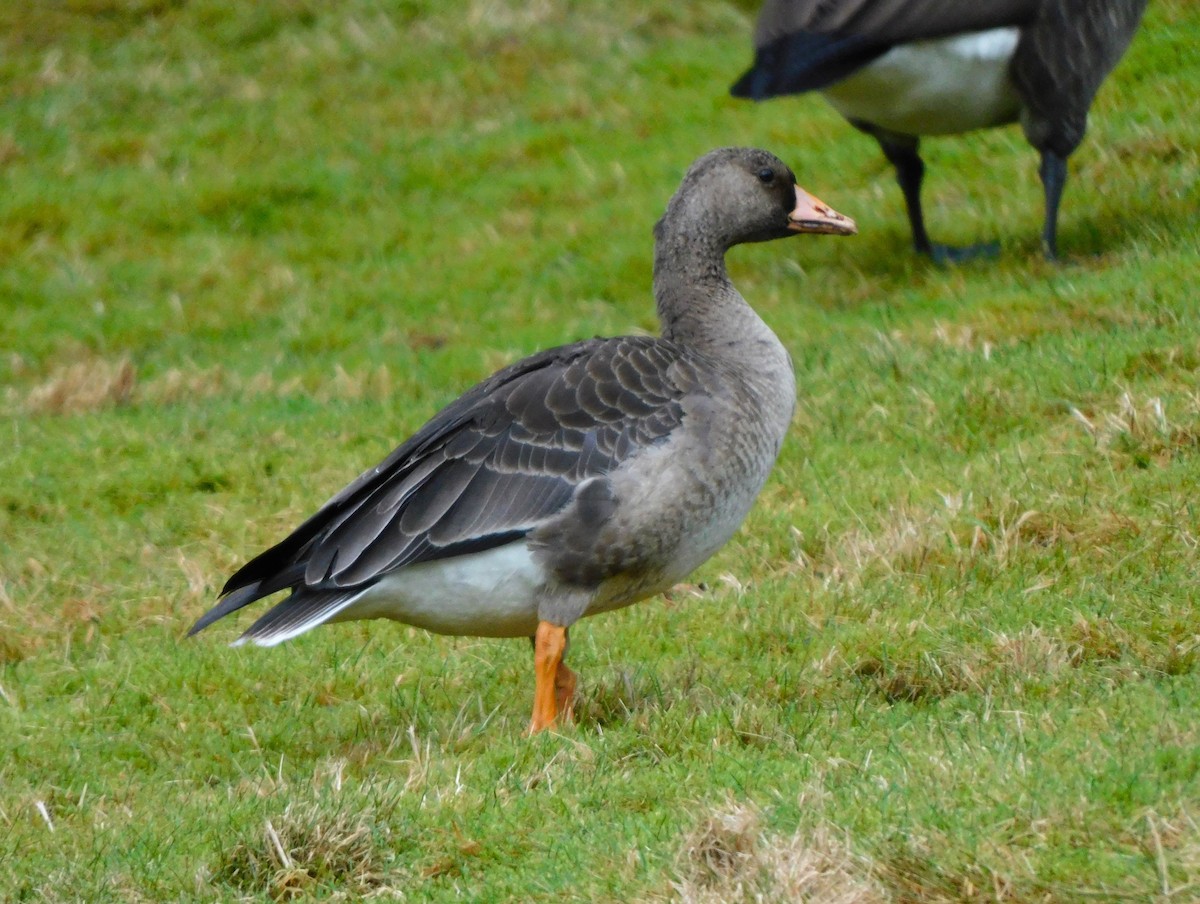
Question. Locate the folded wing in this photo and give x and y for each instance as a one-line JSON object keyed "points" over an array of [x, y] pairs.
{"points": [[486, 470]]}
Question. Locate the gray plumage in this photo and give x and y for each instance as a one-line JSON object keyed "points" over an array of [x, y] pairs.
{"points": [[1062, 50], [579, 479]]}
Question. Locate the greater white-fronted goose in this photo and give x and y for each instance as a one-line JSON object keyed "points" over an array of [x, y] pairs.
{"points": [[581, 479], [900, 69]]}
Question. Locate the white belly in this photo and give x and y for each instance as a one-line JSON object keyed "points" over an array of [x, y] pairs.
{"points": [[487, 594], [939, 87]]}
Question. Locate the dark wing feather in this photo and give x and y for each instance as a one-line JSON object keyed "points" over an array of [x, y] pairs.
{"points": [[807, 45], [502, 458], [804, 61]]}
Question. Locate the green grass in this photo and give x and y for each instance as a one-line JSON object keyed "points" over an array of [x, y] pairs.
{"points": [[248, 248]]}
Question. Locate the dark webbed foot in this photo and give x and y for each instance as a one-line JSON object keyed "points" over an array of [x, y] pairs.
{"points": [[956, 254]]}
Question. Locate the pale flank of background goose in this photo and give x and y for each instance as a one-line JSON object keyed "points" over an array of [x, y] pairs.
{"points": [[579, 480], [900, 69]]}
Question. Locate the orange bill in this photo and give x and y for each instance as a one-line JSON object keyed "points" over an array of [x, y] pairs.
{"points": [[814, 215]]}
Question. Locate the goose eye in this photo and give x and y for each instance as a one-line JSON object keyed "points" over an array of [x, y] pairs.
{"points": [[766, 175]]}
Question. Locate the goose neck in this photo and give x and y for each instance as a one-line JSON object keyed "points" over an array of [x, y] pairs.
{"points": [[695, 299]]}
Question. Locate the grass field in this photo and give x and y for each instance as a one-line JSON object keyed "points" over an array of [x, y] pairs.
{"points": [[953, 655]]}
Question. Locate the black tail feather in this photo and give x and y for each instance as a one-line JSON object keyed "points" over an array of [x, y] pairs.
{"points": [[243, 596]]}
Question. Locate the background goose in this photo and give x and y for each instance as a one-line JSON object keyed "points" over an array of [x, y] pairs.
{"points": [[898, 69], [579, 480]]}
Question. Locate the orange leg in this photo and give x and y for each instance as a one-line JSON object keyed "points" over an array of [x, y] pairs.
{"points": [[564, 692], [549, 644]]}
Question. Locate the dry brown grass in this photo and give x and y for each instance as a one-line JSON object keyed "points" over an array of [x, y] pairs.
{"points": [[931, 869], [914, 875], [910, 540], [730, 858], [1142, 427], [1005, 662], [963, 532], [97, 384], [307, 847], [1174, 843], [89, 385]]}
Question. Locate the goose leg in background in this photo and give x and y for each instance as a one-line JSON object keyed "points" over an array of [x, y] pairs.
{"points": [[1053, 171], [551, 676], [903, 152], [910, 173]]}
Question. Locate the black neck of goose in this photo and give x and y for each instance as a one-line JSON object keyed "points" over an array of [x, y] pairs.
{"points": [[697, 304]]}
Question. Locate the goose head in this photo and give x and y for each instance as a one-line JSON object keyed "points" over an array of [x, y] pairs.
{"points": [[738, 195]]}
